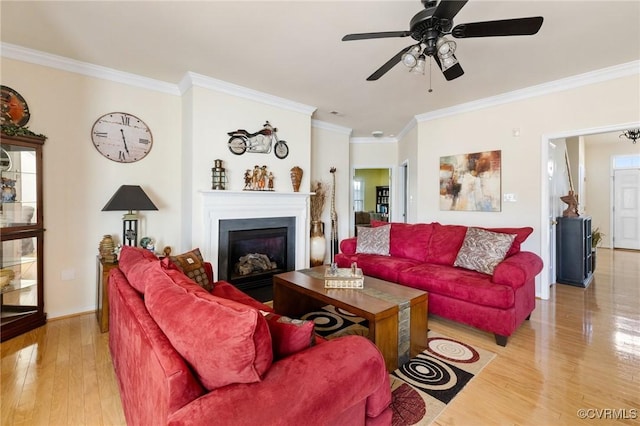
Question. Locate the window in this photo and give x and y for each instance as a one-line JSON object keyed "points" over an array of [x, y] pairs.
{"points": [[358, 195], [626, 161]]}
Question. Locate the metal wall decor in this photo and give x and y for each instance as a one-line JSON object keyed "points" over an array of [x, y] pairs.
{"points": [[262, 141]]}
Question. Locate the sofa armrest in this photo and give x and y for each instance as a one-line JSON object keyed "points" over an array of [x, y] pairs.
{"points": [[309, 387], [516, 270], [348, 245]]}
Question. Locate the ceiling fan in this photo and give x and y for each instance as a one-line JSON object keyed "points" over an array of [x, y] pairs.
{"points": [[429, 28]]}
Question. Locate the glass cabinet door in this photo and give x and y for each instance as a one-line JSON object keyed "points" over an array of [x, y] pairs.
{"points": [[22, 234]]}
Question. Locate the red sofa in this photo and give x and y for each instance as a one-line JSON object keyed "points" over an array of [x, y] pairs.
{"points": [[186, 356], [423, 256]]}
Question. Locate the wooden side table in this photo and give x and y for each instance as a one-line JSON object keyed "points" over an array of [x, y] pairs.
{"points": [[102, 292]]}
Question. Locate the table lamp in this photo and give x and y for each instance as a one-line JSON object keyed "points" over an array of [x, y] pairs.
{"points": [[129, 197]]}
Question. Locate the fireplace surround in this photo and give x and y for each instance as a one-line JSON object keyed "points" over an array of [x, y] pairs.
{"points": [[220, 206]]}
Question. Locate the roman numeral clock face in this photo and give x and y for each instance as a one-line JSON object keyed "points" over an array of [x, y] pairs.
{"points": [[121, 137]]}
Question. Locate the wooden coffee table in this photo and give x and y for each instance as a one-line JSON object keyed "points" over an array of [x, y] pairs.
{"points": [[397, 314]]}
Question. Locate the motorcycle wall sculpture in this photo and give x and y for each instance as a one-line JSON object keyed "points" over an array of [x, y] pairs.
{"points": [[241, 141]]}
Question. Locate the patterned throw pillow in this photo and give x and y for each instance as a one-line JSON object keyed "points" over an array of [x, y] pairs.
{"points": [[192, 265], [373, 240], [482, 250]]}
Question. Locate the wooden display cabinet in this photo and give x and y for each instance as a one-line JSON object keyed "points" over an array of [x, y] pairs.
{"points": [[22, 234]]}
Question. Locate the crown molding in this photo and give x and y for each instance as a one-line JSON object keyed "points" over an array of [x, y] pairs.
{"points": [[192, 79], [12, 51], [605, 74], [331, 127], [406, 129]]}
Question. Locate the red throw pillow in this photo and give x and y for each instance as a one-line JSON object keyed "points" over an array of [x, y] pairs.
{"points": [[289, 335], [223, 341], [521, 235]]}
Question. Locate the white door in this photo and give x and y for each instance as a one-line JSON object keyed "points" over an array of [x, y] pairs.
{"points": [[626, 217]]}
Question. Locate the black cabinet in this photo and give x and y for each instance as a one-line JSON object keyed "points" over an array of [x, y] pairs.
{"points": [[573, 254]]}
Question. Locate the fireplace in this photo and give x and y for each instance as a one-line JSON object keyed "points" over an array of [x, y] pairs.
{"points": [[219, 207], [252, 250]]}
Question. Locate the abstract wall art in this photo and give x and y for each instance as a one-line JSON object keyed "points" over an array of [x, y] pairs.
{"points": [[471, 182]]}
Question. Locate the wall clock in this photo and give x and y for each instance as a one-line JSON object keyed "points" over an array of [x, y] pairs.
{"points": [[121, 137], [14, 109]]}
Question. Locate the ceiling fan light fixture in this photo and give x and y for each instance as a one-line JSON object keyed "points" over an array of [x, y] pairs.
{"points": [[419, 68], [410, 58], [445, 47]]}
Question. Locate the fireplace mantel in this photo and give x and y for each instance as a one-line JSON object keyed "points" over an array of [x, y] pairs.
{"points": [[222, 204]]}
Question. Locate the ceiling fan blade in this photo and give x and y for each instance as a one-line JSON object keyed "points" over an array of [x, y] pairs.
{"points": [[449, 9], [505, 27], [388, 65], [384, 34], [452, 72]]}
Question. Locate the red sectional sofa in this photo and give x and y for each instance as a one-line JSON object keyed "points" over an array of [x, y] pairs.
{"points": [[423, 256], [187, 356]]}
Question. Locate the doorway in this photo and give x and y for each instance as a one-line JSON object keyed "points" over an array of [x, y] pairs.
{"points": [[372, 198], [547, 227], [626, 217]]}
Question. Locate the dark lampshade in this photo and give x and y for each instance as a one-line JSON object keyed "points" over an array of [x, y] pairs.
{"points": [[129, 197]]}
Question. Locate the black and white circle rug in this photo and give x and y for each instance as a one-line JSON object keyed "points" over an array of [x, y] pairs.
{"points": [[422, 387]]}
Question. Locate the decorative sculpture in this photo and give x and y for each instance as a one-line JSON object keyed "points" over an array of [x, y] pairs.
{"points": [[572, 208], [334, 218]]}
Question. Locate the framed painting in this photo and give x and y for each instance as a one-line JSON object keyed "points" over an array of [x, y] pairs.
{"points": [[471, 182]]}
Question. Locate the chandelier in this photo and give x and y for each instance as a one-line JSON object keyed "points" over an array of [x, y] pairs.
{"points": [[632, 134]]}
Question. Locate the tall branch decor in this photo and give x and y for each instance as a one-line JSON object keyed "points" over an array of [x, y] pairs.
{"points": [[334, 217]]}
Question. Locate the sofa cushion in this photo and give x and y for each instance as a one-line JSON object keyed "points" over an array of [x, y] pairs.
{"points": [[374, 240], [229, 291], [384, 267], [482, 250], [192, 264], [445, 243], [289, 335], [410, 240], [134, 262], [521, 235], [224, 341], [470, 286]]}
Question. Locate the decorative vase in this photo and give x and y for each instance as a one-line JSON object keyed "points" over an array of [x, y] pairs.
{"points": [[106, 249], [296, 178], [318, 246]]}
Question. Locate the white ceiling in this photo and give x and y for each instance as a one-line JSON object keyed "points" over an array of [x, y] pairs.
{"points": [[293, 49]]}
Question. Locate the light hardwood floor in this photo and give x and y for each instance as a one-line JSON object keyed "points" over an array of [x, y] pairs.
{"points": [[580, 350]]}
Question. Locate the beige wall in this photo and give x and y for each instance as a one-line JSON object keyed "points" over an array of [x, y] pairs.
{"points": [[78, 180], [491, 128]]}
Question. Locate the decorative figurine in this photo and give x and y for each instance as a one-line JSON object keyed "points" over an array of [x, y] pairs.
{"points": [[260, 179]]}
